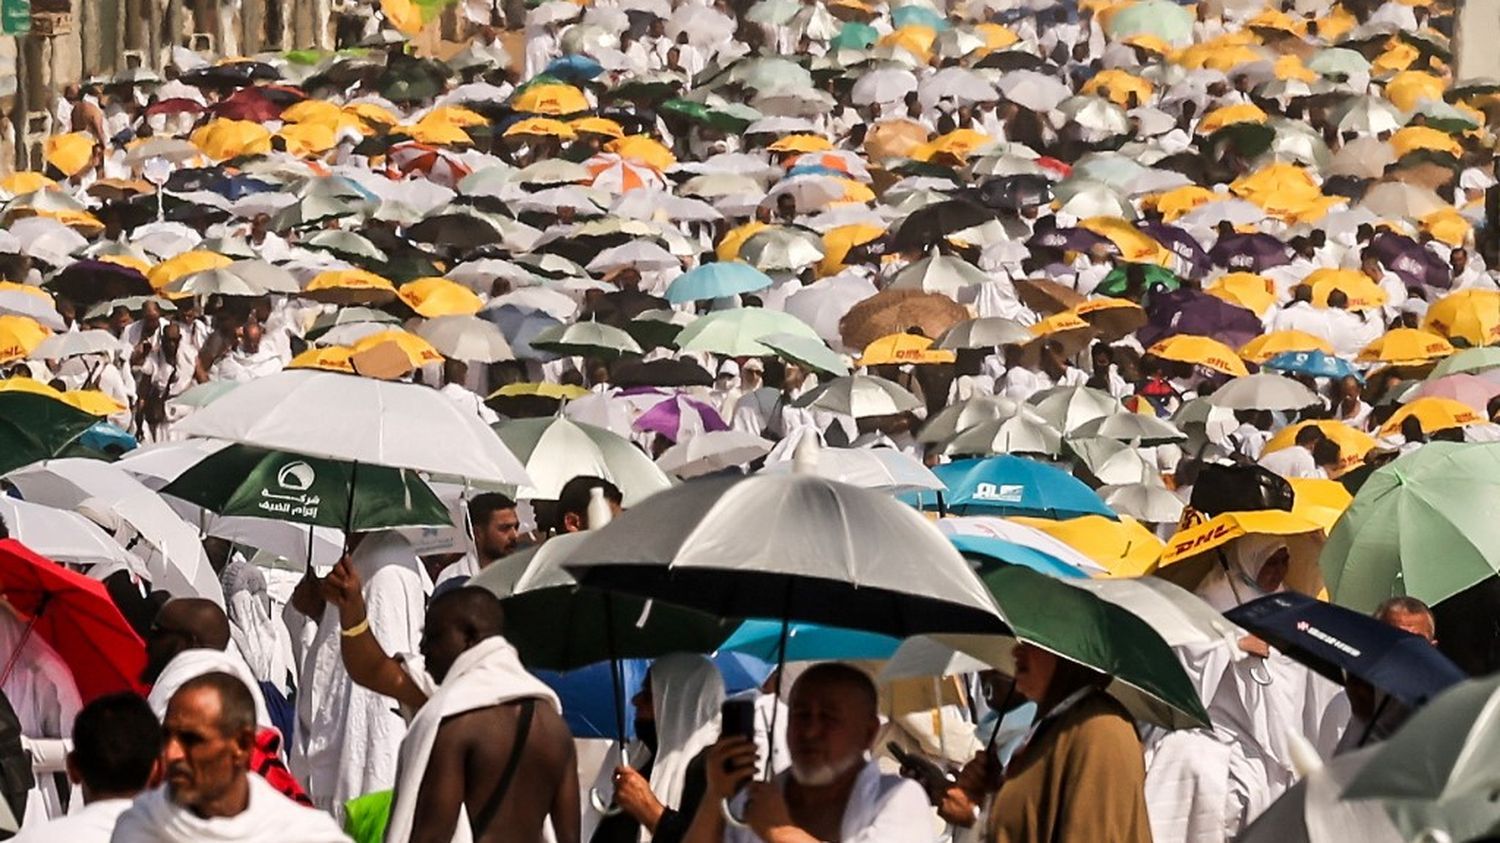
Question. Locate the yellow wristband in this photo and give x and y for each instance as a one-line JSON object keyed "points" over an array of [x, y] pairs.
{"points": [[356, 630]]}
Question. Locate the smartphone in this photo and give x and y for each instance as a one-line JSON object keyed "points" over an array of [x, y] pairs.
{"points": [[933, 778], [737, 719]]}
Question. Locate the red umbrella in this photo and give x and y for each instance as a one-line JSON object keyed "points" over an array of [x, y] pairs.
{"points": [[247, 104], [77, 617], [174, 105], [435, 164]]}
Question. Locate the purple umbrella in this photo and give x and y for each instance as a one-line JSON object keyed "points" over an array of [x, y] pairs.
{"points": [[1069, 240], [1181, 244], [1200, 314], [1254, 252], [680, 416], [1410, 260]]}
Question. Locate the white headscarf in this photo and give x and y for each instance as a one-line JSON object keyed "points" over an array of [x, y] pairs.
{"points": [[686, 692], [1246, 555]]}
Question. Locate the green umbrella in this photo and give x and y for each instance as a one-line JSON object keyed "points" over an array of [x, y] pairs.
{"points": [[259, 483], [812, 353], [587, 339], [1081, 627], [1114, 284], [36, 427], [854, 36], [1437, 772], [1422, 526], [1469, 360], [1161, 18], [700, 113], [737, 332], [1250, 140]]}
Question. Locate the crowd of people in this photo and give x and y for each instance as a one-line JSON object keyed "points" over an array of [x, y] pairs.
{"points": [[1190, 300]]}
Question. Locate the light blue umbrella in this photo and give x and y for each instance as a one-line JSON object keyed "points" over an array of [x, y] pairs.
{"points": [[1313, 364], [1010, 485], [716, 280], [520, 326], [1000, 550], [808, 642], [919, 16]]}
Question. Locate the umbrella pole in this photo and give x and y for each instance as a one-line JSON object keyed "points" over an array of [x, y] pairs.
{"points": [[770, 771], [348, 511], [15, 654], [942, 506], [610, 807]]}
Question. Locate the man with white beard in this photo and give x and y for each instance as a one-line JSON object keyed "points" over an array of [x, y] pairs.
{"points": [[832, 791]]}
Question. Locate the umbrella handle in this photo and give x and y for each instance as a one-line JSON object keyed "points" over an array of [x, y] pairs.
{"points": [[729, 817], [607, 807]]}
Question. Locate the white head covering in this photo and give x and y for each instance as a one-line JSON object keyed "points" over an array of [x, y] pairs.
{"points": [[1246, 555], [687, 692]]}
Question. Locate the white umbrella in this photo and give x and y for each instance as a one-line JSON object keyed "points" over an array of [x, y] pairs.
{"points": [[943, 274], [47, 239], [64, 536], [558, 449], [642, 255], [1263, 391], [880, 469], [959, 84], [559, 306], [466, 338], [1131, 427], [1033, 90], [330, 415], [31, 306], [823, 304], [782, 249], [860, 396], [1069, 407], [1100, 117], [956, 418], [1110, 460], [78, 344], [886, 85], [810, 192], [711, 451], [1149, 502], [985, 332], [1024, 432], [171, 548]]}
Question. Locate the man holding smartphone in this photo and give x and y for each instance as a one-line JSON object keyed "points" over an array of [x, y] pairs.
{"points": [[833, 791]]}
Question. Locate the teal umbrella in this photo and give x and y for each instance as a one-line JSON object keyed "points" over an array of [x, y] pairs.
{"points": [[915, 15], [808, 642], [1422, 526], [1164, 19], [854, 36], [241, 480]]}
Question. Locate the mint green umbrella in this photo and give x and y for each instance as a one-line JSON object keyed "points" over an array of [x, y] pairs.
{"points": [[854, 36], [1162, 18], [1422, 526], [1469, 360], [737, 332]]}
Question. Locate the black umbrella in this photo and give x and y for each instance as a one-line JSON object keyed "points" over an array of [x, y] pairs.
{"points": [[1012, 193], [1338, 642], [458, 231], [666, 372], [91, 280], [1253, 252], [1012, 60], [928, 226], [620, 307]]}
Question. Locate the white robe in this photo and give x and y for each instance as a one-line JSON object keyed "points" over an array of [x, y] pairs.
{"points": [[41, 690], [268, 818], [348, 736], [881, 809], [485, 675]]}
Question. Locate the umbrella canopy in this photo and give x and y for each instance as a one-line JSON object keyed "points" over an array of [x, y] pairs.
{"points": [[737, 332], [860, 396], [77, 618], [1263, 392], [555, 450], [396, 425], [37, 426], [679, 418], [64, 536], [1200, 351], [588, 339], [712, 451], [1007, 485], [716, 280], [840, 555]]}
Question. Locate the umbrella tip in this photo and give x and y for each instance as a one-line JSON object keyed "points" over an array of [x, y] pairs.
{"points": [[599, 512], [805, 457], [1305, 757]]}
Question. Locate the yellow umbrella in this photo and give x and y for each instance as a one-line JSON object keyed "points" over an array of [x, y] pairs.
{"points": [[597, 126], [1246, 289], [29, 290], [93, 402], [1186, 559], [70, 153], [1448, 225], [440, 133], [917, 40], [1276, 184], [553, 99], [186, 263], [81, 221], [25, 384], [19, 336], [349, 286], [1125, 548], [131, 261], [1200, 351], [1277, 20], [1135, 245], [1152, 43], [1407, 89], [1266, 346], [1433, 414], [1398, 56], [1069, 329], [801, 143], [559, 391], [996, 37], [433, 297], [1413, 138], [223, 138], [371, 114], [1231, 56], [1111, 318], [1229, 115], [419, 352], [1363, 293], [1319, 501], [854, 193], [1353, 444], [1469, 315], [533, 127], [313, 111], [838, 242], [1291, 67], [1405, 346], [455, 115], [306, 140], [1332, 26], [728, 248], [959, 143], [404, 15], [1118, 86], [1182, 201], [26, 181], [643, 149], [329, 359], [903, 348], [896, 138]]}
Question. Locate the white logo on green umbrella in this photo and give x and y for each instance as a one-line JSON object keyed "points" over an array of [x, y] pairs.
{"points": [[296, 476]]}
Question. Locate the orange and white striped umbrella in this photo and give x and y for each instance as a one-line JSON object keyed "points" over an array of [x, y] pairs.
{"points": [[617, 175]]}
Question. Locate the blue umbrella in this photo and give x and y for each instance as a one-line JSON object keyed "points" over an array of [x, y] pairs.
{"points": [[1010, 485], [988, 548], [107, 438], [240, 186], [1335, 641], [587, 693], [574, 68], [808, 642], [520, 326], [716, 280], [815, 170], [1314, 364], [919, 16]]}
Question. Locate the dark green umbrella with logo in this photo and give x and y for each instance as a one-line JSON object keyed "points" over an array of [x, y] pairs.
{"points": [[258, 483], [36, 427]]}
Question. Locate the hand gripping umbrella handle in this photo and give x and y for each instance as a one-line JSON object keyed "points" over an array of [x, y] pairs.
{"points": [[607, 807]]}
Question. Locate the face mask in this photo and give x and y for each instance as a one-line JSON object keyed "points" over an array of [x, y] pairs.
{"points": [[645, 732]]}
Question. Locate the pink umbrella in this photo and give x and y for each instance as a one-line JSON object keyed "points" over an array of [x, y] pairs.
{"points": [[679, 417], [1470, 389]]}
